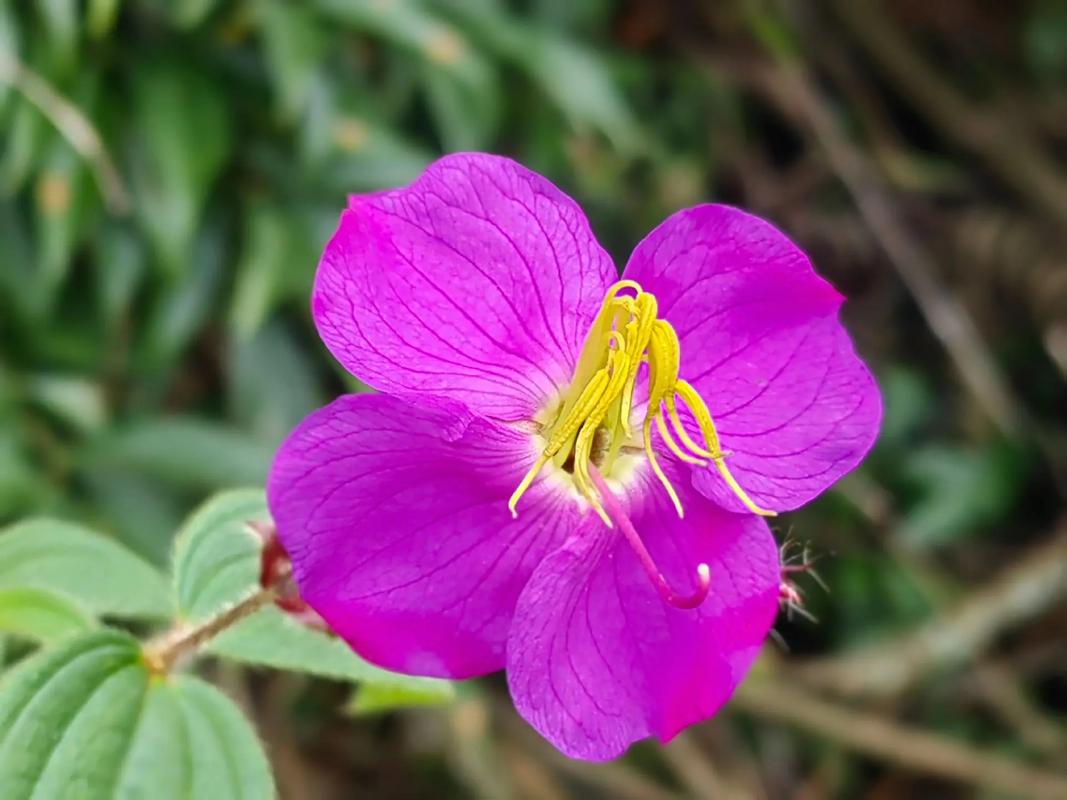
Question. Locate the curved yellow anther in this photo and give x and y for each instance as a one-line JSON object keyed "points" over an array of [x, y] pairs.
{"points": [[595, 411], [640, 332]]}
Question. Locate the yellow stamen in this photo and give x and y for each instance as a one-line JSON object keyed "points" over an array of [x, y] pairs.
{"points": [[665, 435], [656, 468], [595, 410], [700, 411]]}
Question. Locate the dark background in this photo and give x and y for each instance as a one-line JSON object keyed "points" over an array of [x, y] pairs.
{"points": [[169, 172]]}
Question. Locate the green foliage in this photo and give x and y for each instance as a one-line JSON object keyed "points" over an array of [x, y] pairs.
{"points": [[184, 452], [216, 559], [375, 698], [101, 576], [96, 714], [88, 719], [184, 139], [67, 717], [154, 339], [40, 614]]}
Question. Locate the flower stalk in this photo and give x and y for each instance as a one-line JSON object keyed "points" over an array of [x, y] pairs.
{"points": [[163, 652]]}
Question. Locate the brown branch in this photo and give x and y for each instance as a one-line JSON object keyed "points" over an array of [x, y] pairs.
{"points": [[1003, 692], [697, 773], [791, 88], [906, 746], [614, 778], [72, 124], [1029, 587], [1010, 152]]}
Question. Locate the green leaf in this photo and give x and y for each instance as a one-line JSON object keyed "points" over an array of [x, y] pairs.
{"points": [[88, 720], [22, 486], [185, 307], [67, 717], [190, 13], [58, 556], [184, 138], [577, 80], [376, 698], [271, 638], [61, 22], [101, 16], [343, 140], [142, 512], [403, 23], [271, 382], [184, 451], [960, 490], [64, 201], [76, 401], [25, 138], [192, 742], [270, 250], [41, 615], [294, 44], [466, 108], [119, 267], [216, 557], [217, 562]]}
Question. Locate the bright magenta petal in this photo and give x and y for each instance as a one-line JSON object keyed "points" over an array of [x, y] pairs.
{"points": [[476, 283], [597, 660], [397, 524], [761, 342]]}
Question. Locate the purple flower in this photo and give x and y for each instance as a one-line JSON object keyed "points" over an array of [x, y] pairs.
{"points": [[565, 474]]}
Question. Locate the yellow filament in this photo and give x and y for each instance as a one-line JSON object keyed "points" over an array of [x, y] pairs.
{"points": [[625, 334], [683, 434], [570, 425], [700, 411], [668, 440], [658, 470]]}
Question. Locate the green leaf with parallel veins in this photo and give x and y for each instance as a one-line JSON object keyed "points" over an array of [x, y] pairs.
{"points": [[217, 562], [271, 638], [192, 742], [216, 557], [101, 575], [41, 615], [184, 451], [67, 717], [184, 133], [88, 720]]}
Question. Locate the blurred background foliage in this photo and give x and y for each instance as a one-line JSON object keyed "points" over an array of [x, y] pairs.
{"points": [[170, 170]]}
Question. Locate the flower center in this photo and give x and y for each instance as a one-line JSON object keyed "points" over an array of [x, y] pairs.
{"points": [[590, 423]]}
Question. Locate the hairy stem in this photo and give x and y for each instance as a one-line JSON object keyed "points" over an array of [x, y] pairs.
{"points": [[162, 653]]}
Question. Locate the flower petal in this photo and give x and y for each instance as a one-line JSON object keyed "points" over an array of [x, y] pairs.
{"points": [[597, 660], [761, 342], [396, 520], [478, 283]]}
